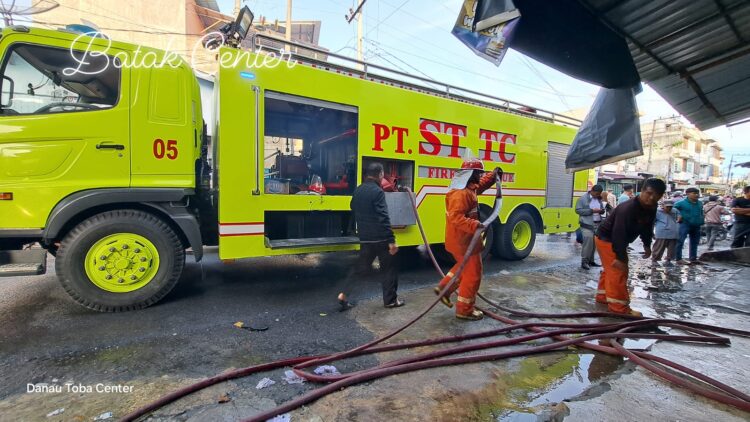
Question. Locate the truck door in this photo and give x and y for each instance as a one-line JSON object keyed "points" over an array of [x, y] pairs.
{"points": [[65, 127], [165, 131]]}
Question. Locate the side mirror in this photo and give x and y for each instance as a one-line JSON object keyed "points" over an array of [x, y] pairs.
{"points": [[7, 86]]}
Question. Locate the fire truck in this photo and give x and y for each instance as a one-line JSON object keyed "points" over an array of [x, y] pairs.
{"points": [[106, 165]]}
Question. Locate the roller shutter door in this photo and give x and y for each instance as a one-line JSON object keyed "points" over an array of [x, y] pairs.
{"points": [[559, 182]]}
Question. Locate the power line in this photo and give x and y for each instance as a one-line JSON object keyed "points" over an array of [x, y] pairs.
{"points": [[387, 17], [377, 45], [536, 71], [480, 74]]}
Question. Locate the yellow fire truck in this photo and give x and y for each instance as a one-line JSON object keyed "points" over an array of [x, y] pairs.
{"points": [[104, 162]]}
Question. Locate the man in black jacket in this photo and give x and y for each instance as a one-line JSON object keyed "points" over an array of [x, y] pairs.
{"points": [[375, 236]]}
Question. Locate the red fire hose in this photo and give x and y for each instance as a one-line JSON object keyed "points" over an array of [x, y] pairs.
{"points": [[559, 332]]}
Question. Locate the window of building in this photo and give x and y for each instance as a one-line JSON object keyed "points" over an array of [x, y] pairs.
{"points": [[44, 80], [310, 146], [689, 166], [698, 147]]}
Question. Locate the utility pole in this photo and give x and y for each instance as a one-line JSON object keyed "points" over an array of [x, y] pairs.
{"points": [[360, 35], [237, 7], [358, 13], [729, 169], [288, 25], [651, 146]]}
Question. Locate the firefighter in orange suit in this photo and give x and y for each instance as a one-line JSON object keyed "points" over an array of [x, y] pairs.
{"points": [[631, 219], [462, 221]]}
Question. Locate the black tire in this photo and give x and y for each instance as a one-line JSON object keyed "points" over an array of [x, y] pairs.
{"points": [[71, 255], [441, 254], [488, 237], [504, 246]]}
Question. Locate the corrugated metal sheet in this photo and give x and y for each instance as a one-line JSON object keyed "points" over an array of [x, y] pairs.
{"points": [[695, 53], [208, 4]]}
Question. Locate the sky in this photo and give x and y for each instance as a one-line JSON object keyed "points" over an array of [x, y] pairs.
{"points": [[414, 36]]}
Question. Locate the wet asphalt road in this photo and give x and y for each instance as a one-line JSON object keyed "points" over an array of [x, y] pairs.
{"points": [[45, 336]]}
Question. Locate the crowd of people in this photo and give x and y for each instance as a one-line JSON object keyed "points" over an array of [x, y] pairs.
{"points": [[669, 222]]}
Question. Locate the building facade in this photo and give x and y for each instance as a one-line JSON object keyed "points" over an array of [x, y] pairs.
{"points": [[678, 153], [174, 25]]}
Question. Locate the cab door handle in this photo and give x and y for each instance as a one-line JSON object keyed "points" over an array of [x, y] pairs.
{"points": [[110, 146]]}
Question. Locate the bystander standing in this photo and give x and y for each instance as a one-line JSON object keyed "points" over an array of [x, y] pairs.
{"points": [[589, 208], [691, 220], [627, 193], [741, 210], [713, 210], [667, 231]]}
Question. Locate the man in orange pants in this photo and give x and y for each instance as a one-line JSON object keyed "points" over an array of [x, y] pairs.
{"points": [[628, 221], [462, 221]]}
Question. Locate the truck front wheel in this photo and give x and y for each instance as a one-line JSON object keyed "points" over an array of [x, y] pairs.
{"points": [[120, 260]]}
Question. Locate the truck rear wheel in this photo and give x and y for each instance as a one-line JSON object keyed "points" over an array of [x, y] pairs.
{"points": [[515, 239], [119, 261], [488, 240]]}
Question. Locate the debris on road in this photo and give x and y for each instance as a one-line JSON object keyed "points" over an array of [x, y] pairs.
{"points": [[591, 284], [240, 324], [286, 417], [265, 382], [322, 314], [55, 412], [291, 378], [504, 272], [103, 416], [224, 398], [327, 370]]}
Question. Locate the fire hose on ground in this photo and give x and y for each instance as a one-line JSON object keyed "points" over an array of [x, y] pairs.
{"points": [[613, 332]]}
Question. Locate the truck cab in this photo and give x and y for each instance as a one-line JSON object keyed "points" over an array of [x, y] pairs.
{"points": [[99, 142]]}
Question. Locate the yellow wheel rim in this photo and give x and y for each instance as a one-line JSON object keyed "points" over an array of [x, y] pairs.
{"points": [[122, 262], [521, 235]]}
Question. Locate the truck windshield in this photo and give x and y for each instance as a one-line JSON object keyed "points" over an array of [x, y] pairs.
{"points": [[34, 81]]}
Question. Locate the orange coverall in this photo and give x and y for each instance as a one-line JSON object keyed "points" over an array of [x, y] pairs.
{"points": [[462, 221]]}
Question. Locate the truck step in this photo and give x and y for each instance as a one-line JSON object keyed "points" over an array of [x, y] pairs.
{"points": [[22, 263], [313, 241]]}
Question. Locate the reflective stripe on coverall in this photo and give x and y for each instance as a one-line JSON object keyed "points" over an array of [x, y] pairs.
{"points": [[613, 283], [462, 221]]}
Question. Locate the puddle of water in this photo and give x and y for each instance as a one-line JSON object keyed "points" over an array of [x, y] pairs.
{"points": [[545, 385], [670, 290]]}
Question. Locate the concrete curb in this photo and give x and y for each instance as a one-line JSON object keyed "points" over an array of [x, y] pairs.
{"points": [[741, 255]]}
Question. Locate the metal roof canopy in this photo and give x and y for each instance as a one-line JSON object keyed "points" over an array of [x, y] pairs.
{"points": [[694, 53]]}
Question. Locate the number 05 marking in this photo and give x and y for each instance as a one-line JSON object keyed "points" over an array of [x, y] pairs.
{"points": [[169, 149]]}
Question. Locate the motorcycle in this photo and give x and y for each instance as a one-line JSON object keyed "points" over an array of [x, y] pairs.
{"points": [[724, 233]]}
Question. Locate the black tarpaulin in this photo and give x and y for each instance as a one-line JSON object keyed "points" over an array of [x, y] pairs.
{"points": [[565, 35], [611, 131]]}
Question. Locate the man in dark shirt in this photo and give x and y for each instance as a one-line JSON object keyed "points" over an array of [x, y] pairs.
{"points": [[741, 210], [375, 236], [631, 219]]}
